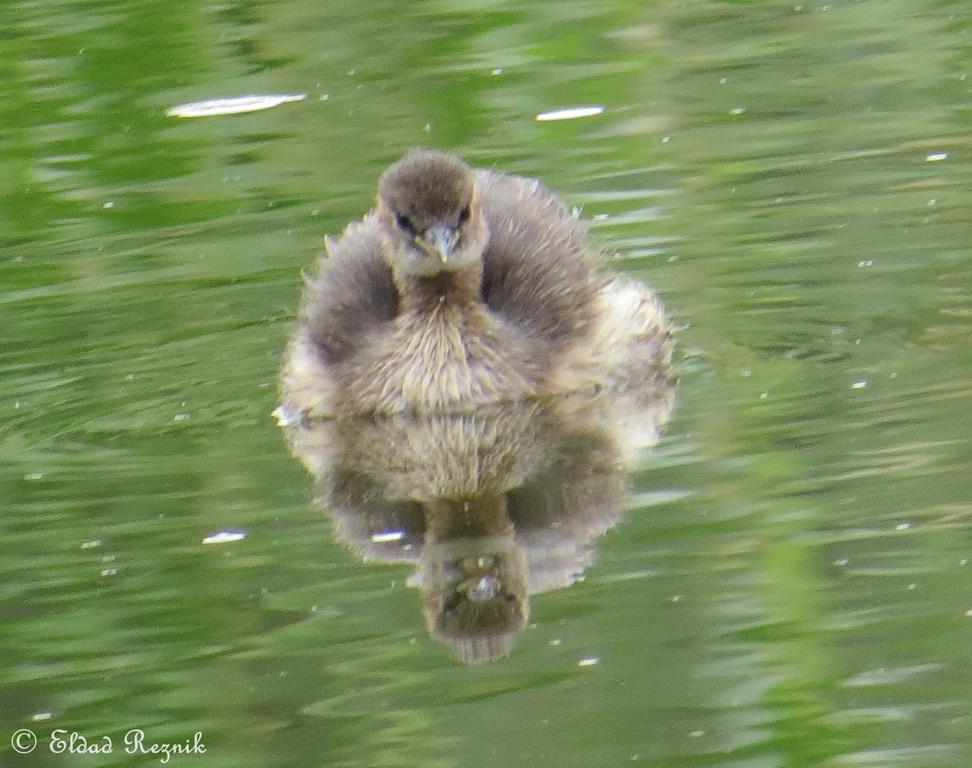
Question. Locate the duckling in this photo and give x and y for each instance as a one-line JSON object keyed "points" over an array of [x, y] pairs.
{"points": [[464, 287]]}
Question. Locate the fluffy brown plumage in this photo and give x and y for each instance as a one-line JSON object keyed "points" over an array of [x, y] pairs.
{"points": [[464, 287]]}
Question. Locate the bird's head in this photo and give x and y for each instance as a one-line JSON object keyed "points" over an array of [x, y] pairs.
{"points": [[429, 209]]}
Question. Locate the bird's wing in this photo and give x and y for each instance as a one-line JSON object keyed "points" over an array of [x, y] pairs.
{"points": [[352, 293], [537, 268]]}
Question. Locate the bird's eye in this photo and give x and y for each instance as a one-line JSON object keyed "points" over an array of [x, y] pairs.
{"points": [[405, 223], [464, 215]]}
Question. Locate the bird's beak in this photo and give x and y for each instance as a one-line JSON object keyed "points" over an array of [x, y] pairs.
{"points": [[438, 241]]}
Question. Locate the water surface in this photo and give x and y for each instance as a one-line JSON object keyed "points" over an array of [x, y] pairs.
{"points": [[790, 584]]}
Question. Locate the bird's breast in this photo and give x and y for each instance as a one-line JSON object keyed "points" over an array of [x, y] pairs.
{"points": [[443, 358]]}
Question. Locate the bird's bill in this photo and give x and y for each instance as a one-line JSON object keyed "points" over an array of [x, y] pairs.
{"points": [[438, 241]]}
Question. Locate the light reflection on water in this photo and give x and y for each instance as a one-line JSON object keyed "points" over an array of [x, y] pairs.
{"points": [[759, 605]]}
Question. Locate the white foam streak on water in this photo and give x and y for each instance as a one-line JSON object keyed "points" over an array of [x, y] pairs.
{"points": [[224, 537], [571, 113], [232, 106]]}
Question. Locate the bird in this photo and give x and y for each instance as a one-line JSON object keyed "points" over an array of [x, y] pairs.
{"points": [[464, 287]]}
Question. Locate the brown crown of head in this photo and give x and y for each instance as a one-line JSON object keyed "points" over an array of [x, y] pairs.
{"points": [[427, 187]]}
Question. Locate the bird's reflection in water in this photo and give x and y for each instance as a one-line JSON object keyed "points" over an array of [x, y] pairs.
{"points": [[492, 505]]}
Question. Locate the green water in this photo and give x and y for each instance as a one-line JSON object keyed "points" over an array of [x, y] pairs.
{"points": [[791, 584]]}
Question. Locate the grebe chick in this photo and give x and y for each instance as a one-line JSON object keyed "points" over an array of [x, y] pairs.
{"points": [[460, 288]]}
